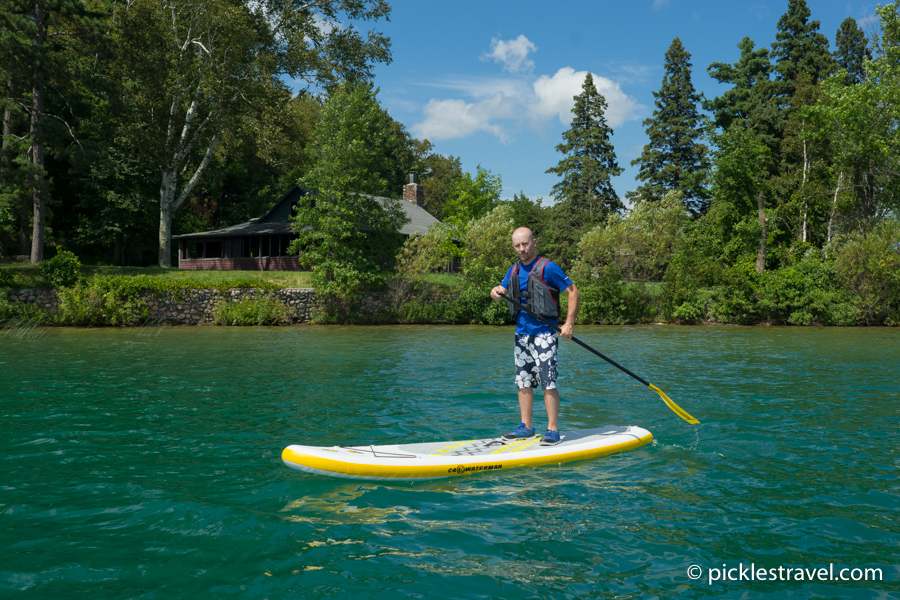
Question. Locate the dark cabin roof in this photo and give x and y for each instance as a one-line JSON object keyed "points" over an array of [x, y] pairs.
{"points": [[277, 220]]}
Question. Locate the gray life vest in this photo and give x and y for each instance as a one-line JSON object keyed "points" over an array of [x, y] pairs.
{"points": [[540, 298]]}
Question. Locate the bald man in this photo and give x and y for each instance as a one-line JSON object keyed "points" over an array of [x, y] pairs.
{"points": [[535, 283]]}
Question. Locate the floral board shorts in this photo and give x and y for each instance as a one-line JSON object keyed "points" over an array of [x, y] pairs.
{"points": [[536, 360]]}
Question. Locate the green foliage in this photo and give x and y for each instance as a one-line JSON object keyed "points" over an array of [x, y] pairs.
{"points": [[260, 310], [120, 300], [487, 248], [101, 301], [60, 271], [639, 246], [675, 159], [606, 299], [749, 76], [6, 278], [471, 198], [16, 316], [860, 121], [868, 266], [529, 213], [430, 252], [803, 294], [342, 234], [800, 48], [852, 51], [741, 162], [681, 299], [440, 173]]}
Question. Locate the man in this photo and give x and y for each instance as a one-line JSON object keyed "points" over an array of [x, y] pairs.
{"points": [[535, 282]]}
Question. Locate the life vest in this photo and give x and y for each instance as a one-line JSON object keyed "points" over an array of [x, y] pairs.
{"points": [[540, 298]]}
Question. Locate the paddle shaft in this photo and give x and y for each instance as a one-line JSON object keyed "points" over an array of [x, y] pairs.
{"points": [[577, 341]]}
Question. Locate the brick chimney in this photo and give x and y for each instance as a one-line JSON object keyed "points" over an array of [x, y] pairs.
{"points": [[414, 192]]}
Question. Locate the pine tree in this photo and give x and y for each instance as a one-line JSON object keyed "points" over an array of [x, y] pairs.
{"points": [[589, 160], [585, 194], [852, 51], [751, 71], [800, 48], [753, 101], [675, 159]]}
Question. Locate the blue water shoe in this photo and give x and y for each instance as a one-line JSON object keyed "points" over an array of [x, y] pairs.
{"points": [[551, 438], [521, 433]]}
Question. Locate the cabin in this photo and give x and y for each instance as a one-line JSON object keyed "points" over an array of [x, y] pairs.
{"points": [[261, 244]]}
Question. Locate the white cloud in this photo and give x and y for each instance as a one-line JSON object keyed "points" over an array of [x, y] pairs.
{"points": [[498, 106], [658, 4], [448, 119], [555, 97], [512, 54]]}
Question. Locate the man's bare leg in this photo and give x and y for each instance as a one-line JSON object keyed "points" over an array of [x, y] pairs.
{"points": [[551, 401], [526, 404]]}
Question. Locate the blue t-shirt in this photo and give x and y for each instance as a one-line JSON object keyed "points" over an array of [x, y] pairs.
{"points": [[555, 278]]}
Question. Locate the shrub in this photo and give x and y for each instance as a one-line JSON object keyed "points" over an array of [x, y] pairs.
{"points": [[608, 300], [261, 310], [101, 301], [868, 267], [680, 299], [802, 294], [639, 245], [488, 250], [6, 278], [60, 271]]}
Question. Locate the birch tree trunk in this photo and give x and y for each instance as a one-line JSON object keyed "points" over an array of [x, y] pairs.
{"points": [[37, 137], [803, 191], [837, 189], [169, 202], [761, 253]]}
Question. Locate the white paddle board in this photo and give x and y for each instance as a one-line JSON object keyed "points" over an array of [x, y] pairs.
{"points": [[435, 460]]}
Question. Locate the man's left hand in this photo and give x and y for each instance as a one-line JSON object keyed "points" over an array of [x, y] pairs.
{"points": [[567, 330]]}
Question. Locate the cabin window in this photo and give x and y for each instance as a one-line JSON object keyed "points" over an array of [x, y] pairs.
{"points": [[191, 250], [213, 250]]}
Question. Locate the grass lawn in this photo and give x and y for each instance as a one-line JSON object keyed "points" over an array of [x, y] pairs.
{"points": [[26, 275], [445, 283]]}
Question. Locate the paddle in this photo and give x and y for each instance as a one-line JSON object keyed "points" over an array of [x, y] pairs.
{"points": [[675, 408]]}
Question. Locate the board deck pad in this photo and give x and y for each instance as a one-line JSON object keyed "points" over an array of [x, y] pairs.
{"points": [[434, 460]]}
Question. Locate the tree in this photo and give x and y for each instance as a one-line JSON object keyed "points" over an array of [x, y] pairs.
{"points": [[862, 122], [675, 159], [343, 233], [589, 161], [800, 48], [199, 69], [471, 198], [747, 76], [529, 213], [33, 35], [741, 164], [852, 51], [437, 177]]}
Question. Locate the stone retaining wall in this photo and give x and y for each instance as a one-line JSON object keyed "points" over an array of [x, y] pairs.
{"points": [[196, 307], [42, 297]]}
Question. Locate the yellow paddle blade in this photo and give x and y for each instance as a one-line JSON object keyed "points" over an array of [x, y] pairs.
{"points": [[675, 408]]}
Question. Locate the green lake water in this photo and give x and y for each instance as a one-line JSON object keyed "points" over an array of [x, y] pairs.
{"points": [[145, 463]]}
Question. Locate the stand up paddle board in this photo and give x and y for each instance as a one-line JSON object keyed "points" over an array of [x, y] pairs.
{"points": [[436, 460]]}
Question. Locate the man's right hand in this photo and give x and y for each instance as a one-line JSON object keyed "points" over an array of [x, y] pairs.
{"points": [[495, 293]]}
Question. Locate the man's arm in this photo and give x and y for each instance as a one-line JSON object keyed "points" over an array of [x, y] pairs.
{"points": [[495, 293], [568, 329]]}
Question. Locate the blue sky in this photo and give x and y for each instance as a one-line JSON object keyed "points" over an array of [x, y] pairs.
{"points": [[492, 81]]}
